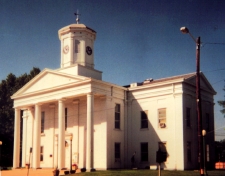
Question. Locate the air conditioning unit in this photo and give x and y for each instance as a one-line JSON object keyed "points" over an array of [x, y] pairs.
{"points": [[162, 125], [148, 80], [133, 85]]}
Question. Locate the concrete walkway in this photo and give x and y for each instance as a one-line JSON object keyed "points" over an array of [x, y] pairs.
{"points": [[32, 172]]}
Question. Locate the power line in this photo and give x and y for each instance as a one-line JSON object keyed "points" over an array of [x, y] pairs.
{"points": [[218, 81], [205, 43], [221, 69]]}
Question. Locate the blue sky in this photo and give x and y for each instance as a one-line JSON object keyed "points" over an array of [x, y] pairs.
{"points": [[135, 39]]}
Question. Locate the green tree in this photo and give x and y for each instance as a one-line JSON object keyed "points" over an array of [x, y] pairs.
{"points": [[8, 87], [222, 103]]}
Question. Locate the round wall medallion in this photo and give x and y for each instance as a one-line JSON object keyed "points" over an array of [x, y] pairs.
{"points": [[66, 49]]}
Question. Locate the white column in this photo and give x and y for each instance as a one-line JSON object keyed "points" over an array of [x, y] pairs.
{"points": [[37, 137], [54, 149], [76, 130], [31, 115], [24, 142], [16, 149], [61, 139], [89, 147]]}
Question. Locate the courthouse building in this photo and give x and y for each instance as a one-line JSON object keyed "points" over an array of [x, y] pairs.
{"points": [[69, 115]]}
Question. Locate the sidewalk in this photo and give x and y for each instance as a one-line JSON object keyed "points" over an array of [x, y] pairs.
{"points": [[32, 172]]}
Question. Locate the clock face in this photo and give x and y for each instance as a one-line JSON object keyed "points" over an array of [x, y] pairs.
{"points": [[66, 49], [88, 50]]}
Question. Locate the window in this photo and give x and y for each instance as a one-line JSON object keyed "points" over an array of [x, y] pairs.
{"points": [[162, 118], [42, 122], [77, 46], [65, 118], [144, 119], [188, 117], [117, 150], [189, 151], [42, 153], [117, 116], [207, 121], [144, 151]]}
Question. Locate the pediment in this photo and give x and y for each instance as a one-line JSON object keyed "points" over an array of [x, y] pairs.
{"points": [[47, 80], [204, 83]]}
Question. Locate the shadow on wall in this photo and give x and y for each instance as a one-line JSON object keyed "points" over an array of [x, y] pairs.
{"points": [[143, 139]]}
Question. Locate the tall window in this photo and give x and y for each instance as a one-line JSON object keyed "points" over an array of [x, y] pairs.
{"points": [[42, 153], [117, 116], [117, 150], [207, 121], [77, 46], [144, 151], [188, 117], [189, 151], [162, 118], [144, 119], [65, 118], [42, 121]]}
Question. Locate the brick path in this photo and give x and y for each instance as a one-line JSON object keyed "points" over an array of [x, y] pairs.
{"points": [[32, 172]]}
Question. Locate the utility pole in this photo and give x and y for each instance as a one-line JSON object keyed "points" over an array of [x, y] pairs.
{"points": [[199, 106], [185, 30]]}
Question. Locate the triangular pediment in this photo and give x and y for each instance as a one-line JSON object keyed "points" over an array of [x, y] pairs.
{"points": [[48, 80], [204, 83]]}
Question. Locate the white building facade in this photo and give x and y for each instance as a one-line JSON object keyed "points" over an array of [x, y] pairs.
{"points": [[70, 116]]}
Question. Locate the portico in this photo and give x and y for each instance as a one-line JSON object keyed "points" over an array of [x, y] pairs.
{"points": [[59, 133]]}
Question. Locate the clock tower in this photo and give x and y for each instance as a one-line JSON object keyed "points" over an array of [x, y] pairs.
{"points": [[77, 43], [77, 50]]}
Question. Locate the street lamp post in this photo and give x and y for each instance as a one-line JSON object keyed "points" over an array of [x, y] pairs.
{"points": [[203, 134], [0, 156], [198, 97]]}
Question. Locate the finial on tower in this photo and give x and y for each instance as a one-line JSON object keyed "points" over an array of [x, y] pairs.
{"points": [[77, 15]]}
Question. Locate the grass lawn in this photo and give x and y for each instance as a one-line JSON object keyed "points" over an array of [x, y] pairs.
{"points": [[148, 173]]}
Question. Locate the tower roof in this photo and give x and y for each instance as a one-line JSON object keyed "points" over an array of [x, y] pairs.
{"points": [[75, 28]]}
